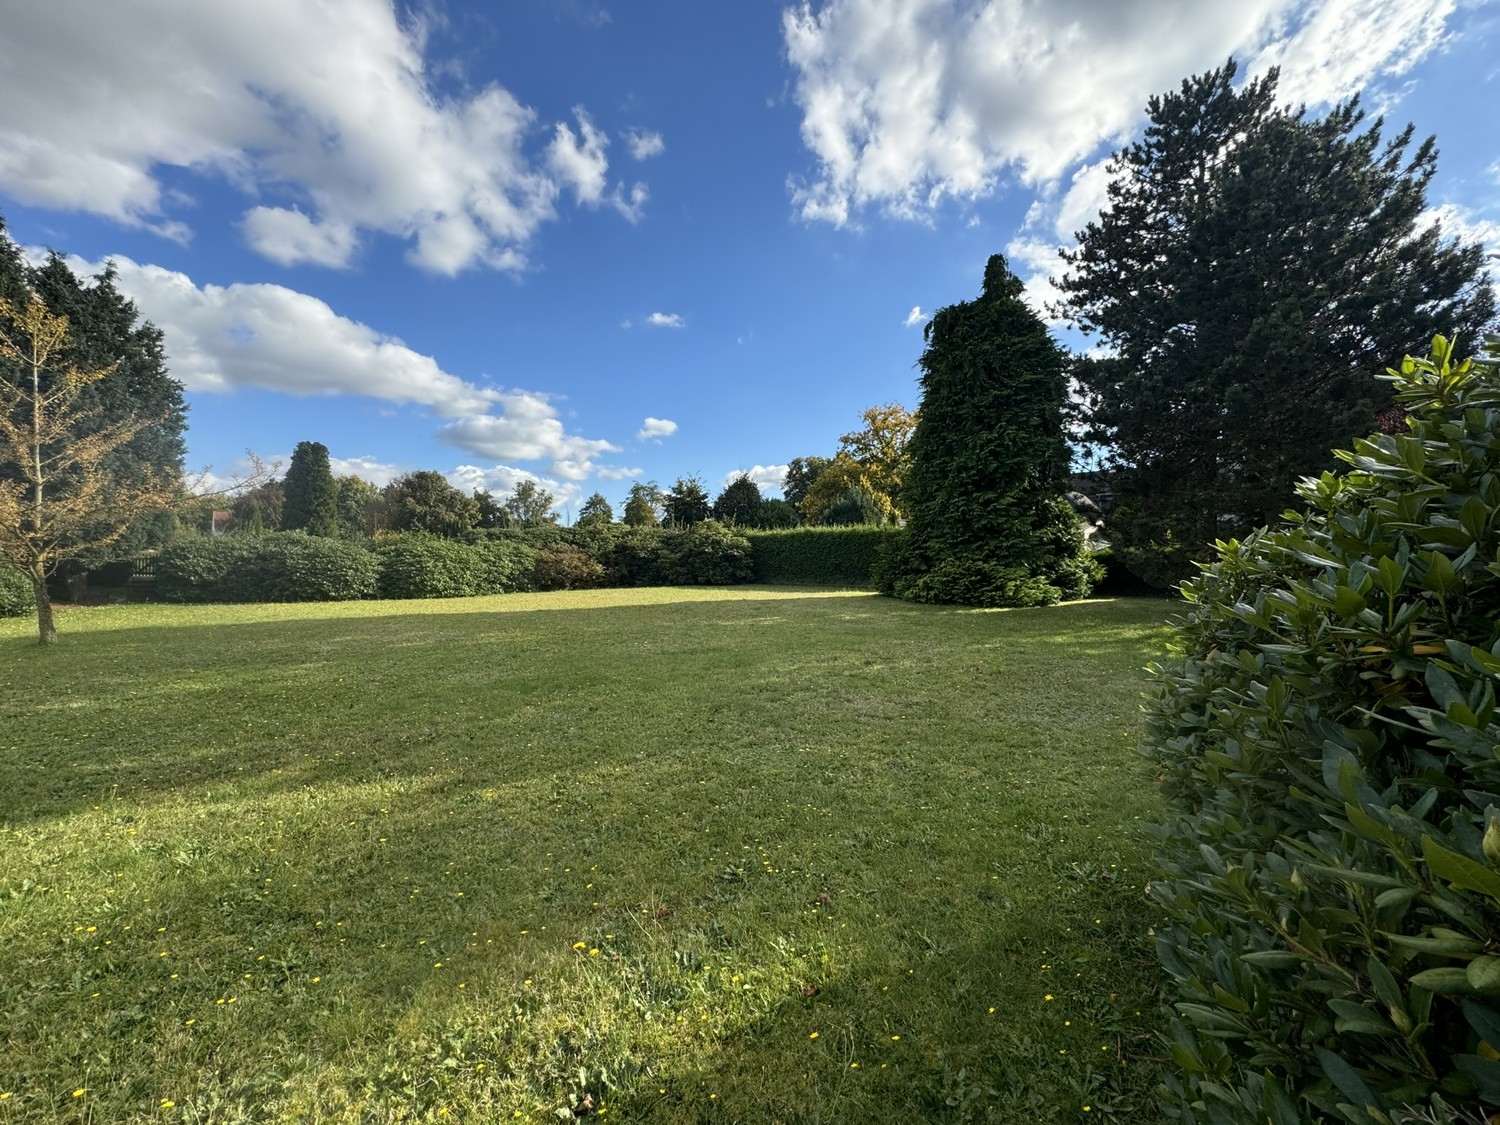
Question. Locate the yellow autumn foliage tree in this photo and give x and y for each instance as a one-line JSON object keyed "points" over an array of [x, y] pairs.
{"points": [[57, 498], [875, 459]]}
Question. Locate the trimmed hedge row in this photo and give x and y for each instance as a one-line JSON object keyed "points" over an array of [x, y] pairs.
{"points": [[821, 556], [290, 566], [285, 567]]}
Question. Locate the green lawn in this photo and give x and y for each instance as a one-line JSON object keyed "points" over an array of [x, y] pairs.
{"points": [[758, 855]]}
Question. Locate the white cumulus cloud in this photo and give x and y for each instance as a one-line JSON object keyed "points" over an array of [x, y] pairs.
{"points": [[501, 481], [906, 103], [526, 429], [372, 469], [618, 472], [666, 320], [915, 317], [325, 114], [219, 337], [768, 478], [288, 236], [644, 145], [654, 429]]}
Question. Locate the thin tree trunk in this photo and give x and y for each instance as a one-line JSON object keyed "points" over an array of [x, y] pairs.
{"points": [[46, 630]]}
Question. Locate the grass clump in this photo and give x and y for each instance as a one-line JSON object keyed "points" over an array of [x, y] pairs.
{"points": [[656, 854]]}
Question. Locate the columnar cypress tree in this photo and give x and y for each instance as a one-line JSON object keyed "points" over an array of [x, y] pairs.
{"points": [[987, 523], [312, 495]]}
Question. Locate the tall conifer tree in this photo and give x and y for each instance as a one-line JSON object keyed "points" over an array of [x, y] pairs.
{"points": [[1253, 266], [311, 493], [987, 523]]}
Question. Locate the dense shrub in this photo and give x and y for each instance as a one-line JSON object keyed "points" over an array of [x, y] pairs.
{"points": [[637, 556], [505, 566], [1055, 567], [200, 570], [284, 567], [1119, 580], [1328, 738], [298, 568], [17, 599], [422, 565], [707, 554], [820, 556], [562, 566]]}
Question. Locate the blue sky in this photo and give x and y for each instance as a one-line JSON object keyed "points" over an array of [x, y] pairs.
{"points": [[592, 242]]}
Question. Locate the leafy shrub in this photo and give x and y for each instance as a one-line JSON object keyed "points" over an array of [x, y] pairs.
{"points": [[977, 582], [707, 554], [284, 567], [303, 568], [820, 556], [637, 556], [563, 566], [201, 570], [1327, 735], [1053, 566], [17, 599], [505, 566], [421, 565]]}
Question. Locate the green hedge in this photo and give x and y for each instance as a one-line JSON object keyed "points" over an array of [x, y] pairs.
{"points": [[291, 566], [1327, 737], [17, 599], [284, 567], [820, 556]]}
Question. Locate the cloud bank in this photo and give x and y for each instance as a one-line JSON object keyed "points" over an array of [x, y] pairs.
{"points": [[907, 103], [327, 112]]}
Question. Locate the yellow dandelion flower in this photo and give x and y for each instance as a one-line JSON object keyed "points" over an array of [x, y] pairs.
{"points": [[167, 1103], [593, 953], [895, 1038], [814, 1035], [78, 1093], [580, 945], [1047, 997]]}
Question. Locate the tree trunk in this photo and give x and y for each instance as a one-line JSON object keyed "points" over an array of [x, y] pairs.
{"points": [[46, 630]]}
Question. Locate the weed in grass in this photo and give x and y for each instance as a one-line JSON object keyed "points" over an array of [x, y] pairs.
{"points": [[774, 855]]}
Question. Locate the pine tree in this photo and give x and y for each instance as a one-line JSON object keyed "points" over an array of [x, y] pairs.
{"points": [[311, 493], [987, 523], [1253, 266], [739, 503], [687, 503]]}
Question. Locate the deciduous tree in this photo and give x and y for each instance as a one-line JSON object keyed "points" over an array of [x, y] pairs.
{"points": [[358, 500], [425, 501], [644, 505], [800, 474], [59, 498], [595, 512], [105, 330], [530, 505]]}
